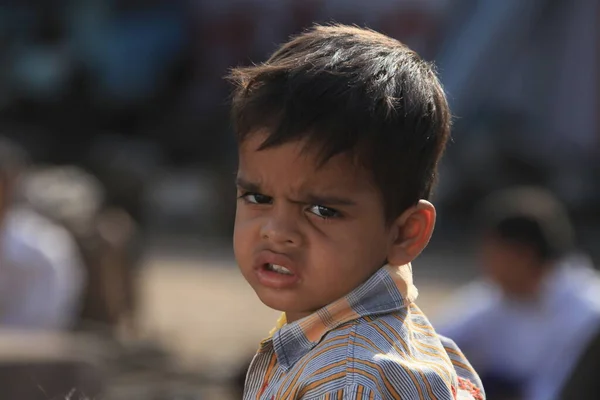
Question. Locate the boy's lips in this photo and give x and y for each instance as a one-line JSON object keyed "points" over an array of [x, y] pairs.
{"points": [[268, 277]]}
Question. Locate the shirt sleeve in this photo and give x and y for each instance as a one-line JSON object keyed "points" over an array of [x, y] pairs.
{"points": [[397, 381], [466, 391]]}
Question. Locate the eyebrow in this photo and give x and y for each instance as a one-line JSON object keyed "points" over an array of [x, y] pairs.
{"points": [[309, 198], [326, 200], [247, 185]]}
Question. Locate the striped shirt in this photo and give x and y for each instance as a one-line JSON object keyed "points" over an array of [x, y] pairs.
{"points": [[374, 343]]}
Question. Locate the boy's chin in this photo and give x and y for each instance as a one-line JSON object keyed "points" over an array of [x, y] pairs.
{"points": [[282, 300]]}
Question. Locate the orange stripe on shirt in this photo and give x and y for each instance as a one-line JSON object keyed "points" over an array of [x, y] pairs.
{"points": [[318, 383], [290, 382]]}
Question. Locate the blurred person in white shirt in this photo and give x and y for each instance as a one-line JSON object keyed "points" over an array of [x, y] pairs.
{"points": [[103, 234], [530, 318], [41, 275]]}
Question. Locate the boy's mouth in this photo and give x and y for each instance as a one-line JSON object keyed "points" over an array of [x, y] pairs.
{"points": [[278, 268]]}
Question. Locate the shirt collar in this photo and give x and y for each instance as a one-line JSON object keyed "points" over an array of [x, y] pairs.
{"points": [[389, 289]]}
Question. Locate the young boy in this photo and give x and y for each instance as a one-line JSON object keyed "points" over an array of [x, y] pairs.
{"points": [[339, 135]]}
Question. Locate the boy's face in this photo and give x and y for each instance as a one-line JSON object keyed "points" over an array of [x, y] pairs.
{"points": [[305, 236]]}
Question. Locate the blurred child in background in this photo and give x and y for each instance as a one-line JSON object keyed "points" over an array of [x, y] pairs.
{"points": [[526, 324]]}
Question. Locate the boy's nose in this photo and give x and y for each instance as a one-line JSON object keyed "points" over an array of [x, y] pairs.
{"points": [[281, 229]]}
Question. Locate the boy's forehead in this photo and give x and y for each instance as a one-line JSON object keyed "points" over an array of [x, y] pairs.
{"points": [[307, 154], [297, 164]]}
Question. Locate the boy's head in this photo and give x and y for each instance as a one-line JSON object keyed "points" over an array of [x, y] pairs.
{"points": [[339, 135], [525, 230]]}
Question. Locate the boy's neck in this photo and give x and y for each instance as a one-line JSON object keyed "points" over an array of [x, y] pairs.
{"points": [[292, 316], [295, 316]]}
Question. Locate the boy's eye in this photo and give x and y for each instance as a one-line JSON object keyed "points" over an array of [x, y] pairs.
{"points": [[256, 198], [324, 212]]}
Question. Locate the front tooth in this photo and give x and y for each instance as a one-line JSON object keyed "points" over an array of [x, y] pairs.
{"points": [[281, 269]]}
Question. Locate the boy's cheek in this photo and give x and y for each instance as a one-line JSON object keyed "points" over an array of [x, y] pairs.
{"points": [[242, 236], [242, 217]]}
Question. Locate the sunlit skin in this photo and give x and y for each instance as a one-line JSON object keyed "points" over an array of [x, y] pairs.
{"points": [[325, 225]]}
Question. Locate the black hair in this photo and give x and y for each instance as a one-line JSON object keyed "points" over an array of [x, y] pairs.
{"points": [[529, 216], [350, 90]]}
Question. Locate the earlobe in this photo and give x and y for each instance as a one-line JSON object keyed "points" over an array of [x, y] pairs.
{"points": [[411, 233]]}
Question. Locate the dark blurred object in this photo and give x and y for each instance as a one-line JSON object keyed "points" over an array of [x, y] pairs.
{"points": [[46, 380], [583, 384], [125, 167], [40, 366], [535, 61], [110, 298], [13, 162], [239, 378], [83, 366], [492, 145], [502, 387]]}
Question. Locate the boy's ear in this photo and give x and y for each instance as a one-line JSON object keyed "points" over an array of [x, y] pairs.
{"points": [[410, 233]]}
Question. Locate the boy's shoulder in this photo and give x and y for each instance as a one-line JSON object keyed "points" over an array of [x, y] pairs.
{"points": [[395, 355], [397, 338]]}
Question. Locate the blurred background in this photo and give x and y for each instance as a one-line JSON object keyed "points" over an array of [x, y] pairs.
{"points": [[117, 277]]}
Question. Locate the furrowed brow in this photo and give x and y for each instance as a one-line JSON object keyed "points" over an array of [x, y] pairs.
{"points": [[246, 185], [327, 200]]}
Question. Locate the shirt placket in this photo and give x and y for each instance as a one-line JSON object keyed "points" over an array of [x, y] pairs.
{"points": [[256, 371]]}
